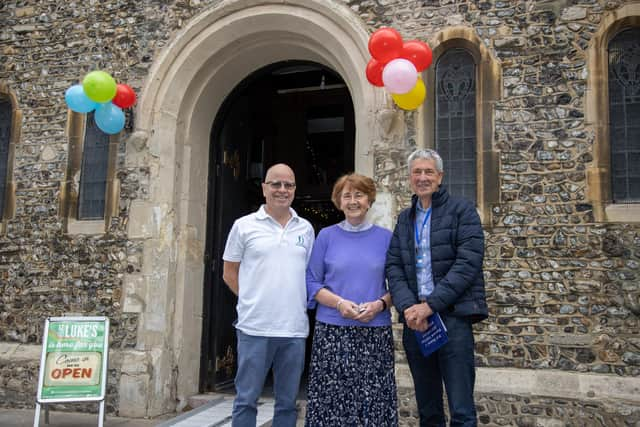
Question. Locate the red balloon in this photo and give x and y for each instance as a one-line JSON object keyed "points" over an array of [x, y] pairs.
{"points": [[125, 96], [385, 44], [374, 72], [419, 53]]}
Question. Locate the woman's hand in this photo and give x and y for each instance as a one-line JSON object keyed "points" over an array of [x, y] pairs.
{"points": [[348, 309], [369, 310]]}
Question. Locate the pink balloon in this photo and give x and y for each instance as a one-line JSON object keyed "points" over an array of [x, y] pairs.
{"points": [[399, 76]]}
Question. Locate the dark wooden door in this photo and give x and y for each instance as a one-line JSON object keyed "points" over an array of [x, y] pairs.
{"points": [[259, 125], [234, 196]]}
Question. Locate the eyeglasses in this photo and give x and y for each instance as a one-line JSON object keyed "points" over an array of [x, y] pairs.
{"points": [[276, 185]]}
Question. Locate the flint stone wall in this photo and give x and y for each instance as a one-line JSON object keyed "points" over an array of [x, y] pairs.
{"points": [[563, 290]]}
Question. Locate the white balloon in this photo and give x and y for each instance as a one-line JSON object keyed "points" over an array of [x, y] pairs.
{"points": [[399, 76]]}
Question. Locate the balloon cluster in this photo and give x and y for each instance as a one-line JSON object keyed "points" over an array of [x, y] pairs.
{"points": [[395, 65], [100, 92]]}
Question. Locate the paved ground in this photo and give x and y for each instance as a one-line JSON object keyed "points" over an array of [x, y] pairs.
{"points": [[24, 418], [213, 410]]}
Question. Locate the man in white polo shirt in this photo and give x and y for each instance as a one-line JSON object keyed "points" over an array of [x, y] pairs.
{"points": [[264, 265]]}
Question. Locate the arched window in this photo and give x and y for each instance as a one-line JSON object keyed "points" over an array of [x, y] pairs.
{"points": [[624, 115], [93, 175], [90, 192], [455, 122], [612, 113], [10, 128], [463, 85], [5, 139]]}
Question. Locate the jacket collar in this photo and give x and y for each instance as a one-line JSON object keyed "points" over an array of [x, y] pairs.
{"points": [[437, 199]]}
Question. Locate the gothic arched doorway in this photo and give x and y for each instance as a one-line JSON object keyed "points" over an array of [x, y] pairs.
{"points": [[295, 112]]}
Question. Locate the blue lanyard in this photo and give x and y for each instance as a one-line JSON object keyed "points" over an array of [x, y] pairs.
{"points": [[419, 235]]}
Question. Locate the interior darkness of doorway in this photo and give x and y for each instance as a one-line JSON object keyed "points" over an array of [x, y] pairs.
{"points": [[294, 112]]}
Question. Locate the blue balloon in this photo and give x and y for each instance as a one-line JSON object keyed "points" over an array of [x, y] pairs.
{"points": [[109, 118], [78, 101]]}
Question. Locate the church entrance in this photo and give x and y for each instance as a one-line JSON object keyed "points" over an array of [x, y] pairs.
{"points": [[294, 112]]}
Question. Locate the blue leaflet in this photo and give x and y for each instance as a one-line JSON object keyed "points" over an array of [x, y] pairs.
{"points": [[434, 337]]}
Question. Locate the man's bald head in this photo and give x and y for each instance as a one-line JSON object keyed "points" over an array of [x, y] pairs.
{"points": [[279, 188], [279, 169]]}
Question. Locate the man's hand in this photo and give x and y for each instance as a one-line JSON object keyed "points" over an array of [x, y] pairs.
{"points": [[416, 316]]}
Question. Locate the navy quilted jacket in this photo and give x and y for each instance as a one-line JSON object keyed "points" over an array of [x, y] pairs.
{"points": [[457, 250]]}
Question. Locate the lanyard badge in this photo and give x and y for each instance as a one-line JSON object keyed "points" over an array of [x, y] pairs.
{"points": [[420, 233]]}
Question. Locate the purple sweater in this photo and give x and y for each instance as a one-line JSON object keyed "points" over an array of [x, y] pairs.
{"points": [[351, 265]]}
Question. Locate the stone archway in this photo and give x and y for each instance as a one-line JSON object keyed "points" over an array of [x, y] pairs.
{"points": [[181, 97]]}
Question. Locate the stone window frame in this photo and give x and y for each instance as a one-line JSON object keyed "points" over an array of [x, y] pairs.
{"points": [[69, 188], [488, 92], [450, 148], [16, 129], [598, 180]]}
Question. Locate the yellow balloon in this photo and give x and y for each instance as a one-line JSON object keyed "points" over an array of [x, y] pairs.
{"points": [[412, 99]]}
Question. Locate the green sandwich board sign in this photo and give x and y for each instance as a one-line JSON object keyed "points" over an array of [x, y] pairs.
{"points": [[73, 365]]}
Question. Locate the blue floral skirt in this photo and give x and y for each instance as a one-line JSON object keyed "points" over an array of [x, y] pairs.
{"points": [[351, 379]]}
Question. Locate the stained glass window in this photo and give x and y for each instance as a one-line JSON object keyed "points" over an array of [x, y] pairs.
{"points": [[93, 175], [455, 124], [5, 138], [624, 115]]}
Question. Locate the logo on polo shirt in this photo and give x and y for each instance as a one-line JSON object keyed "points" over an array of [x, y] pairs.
{"points": [[300, 241]]}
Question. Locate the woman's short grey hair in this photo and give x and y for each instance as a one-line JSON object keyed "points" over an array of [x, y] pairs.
{"points": [[426, 154]]}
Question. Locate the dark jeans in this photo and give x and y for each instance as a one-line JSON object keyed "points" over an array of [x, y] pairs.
{"points": [[452, 364]]}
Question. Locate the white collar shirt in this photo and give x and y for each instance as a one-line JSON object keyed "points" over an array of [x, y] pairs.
{"points": [[273, 260]]}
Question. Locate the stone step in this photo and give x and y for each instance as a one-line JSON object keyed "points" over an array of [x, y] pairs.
{"points": [[214, 410], [198, 400]]}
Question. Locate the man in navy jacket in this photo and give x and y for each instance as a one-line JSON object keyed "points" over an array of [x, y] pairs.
{"points": [[434, 265]]}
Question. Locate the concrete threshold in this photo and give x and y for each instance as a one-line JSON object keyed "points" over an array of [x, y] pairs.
{"points": [[214, 410]]}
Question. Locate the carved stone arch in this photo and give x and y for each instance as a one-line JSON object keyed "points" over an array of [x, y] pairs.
{"points": [[9, 202], [597, 116], [184, 91], [488, 92]]}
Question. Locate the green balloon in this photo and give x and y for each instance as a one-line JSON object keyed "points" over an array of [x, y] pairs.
{"points": [[99, 86]]}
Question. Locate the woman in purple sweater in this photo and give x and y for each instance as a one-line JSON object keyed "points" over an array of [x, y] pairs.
{"points": [[351, 379]]}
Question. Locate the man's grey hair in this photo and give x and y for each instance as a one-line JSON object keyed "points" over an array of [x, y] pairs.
{"points": [[426, 154]]}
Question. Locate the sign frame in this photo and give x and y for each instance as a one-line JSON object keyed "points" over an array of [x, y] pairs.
{"points": [[44, 401]]}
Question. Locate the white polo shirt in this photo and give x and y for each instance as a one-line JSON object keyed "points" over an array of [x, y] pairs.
{"points": [[272, 296]]}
